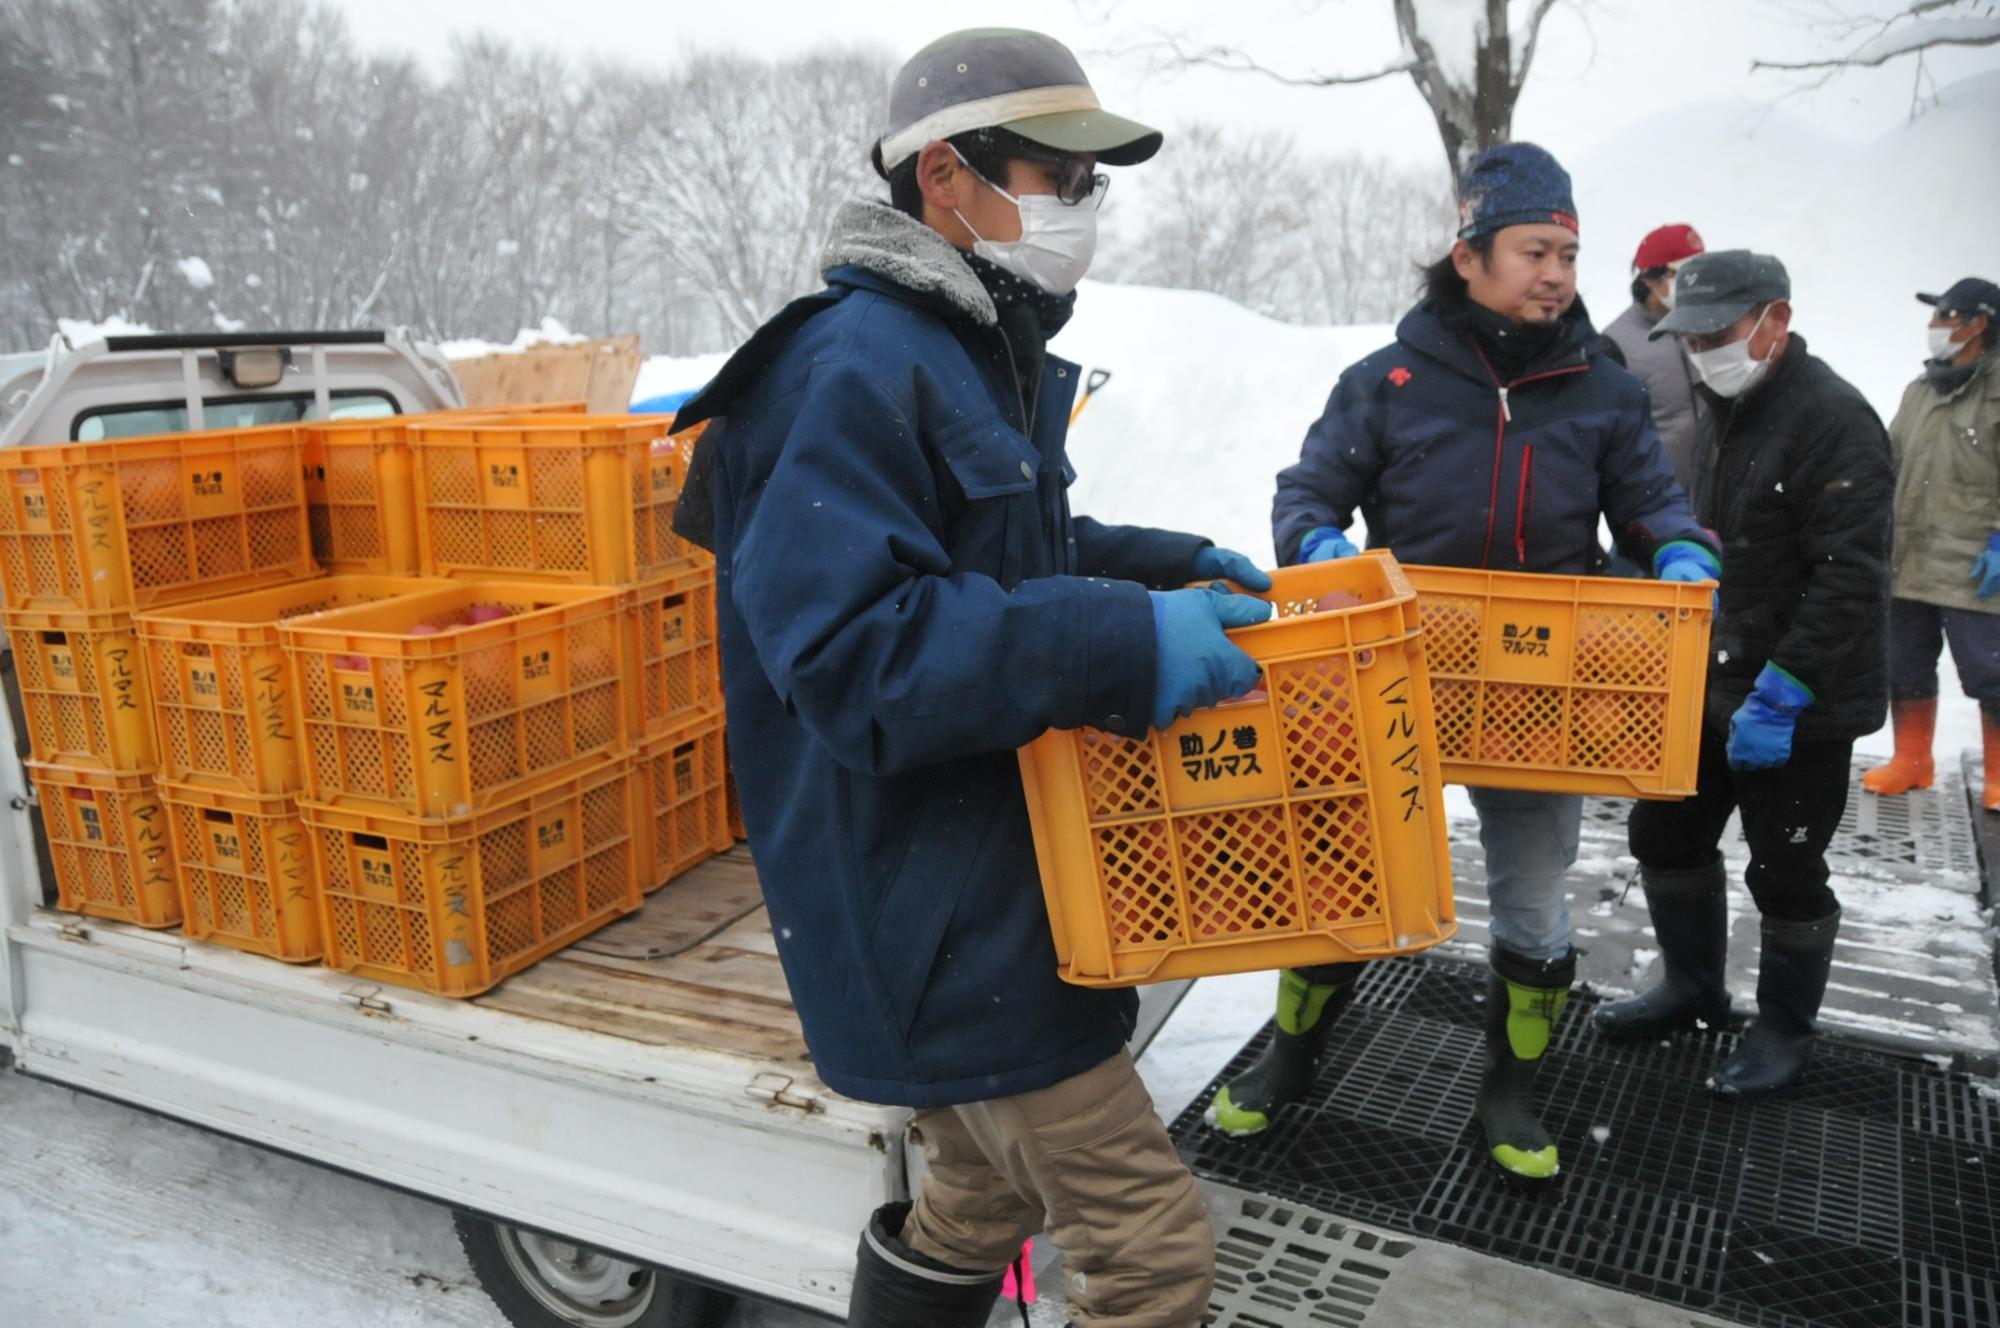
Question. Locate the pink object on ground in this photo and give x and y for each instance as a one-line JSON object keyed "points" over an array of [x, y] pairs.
{"points": [[1027, 1266]]}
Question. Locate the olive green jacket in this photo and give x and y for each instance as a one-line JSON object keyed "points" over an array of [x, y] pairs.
{"points": [[1947, 452]]}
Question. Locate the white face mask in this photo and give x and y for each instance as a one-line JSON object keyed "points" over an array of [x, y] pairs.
{"points": [[1057, 241], [1941, 345], [1728, 371], [1667, 295]]}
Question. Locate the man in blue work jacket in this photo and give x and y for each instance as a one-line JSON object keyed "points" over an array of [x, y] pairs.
{"points": [[905, 599], [1492, 433]]}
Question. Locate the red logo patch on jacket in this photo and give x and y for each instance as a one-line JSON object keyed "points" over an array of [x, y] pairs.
{"points": [[1399, 375]]}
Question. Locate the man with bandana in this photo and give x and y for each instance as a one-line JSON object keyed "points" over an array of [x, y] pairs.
{"points": [[1494, 432]]}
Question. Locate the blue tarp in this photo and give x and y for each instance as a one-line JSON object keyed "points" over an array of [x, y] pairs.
{"points": [[664, 404]]}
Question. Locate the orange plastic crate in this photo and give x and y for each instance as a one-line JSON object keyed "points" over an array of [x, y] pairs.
{"points": [[467, 717], [1567, 684], [109, 840], [224, 696], [361, 490], [454, 906], [361, 497], [585, 499], [1304, 825], [671, 649], [682, 800], [84, 690], [136, 522], [246, 875]]}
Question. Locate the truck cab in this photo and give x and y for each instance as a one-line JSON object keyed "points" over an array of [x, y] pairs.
{"points": [[131, 385]]}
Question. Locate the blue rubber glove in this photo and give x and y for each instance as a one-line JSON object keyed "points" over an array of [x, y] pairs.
{"points": [[1232, 566], [1986, 568], [1684, 560], [1195, 665], [1760, 732], [1323, 544]]}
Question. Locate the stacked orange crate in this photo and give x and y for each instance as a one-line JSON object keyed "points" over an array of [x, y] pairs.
{"points": [[359, 492], [589, 500], [468, 792], [225, 713], [89, 534]]}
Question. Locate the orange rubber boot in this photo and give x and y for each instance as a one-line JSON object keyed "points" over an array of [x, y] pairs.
{"points": [[1915, 722], [1990, 731]]}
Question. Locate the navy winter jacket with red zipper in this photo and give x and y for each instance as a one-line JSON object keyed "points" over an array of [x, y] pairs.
{"points": [[1451, 464]]}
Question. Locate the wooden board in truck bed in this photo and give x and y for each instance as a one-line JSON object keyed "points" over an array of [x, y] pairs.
{"points": [[695, 966]]}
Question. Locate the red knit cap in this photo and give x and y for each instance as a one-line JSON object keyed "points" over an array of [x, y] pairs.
{"points": [[1668, 244]]}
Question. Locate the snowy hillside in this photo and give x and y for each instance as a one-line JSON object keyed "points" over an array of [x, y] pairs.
{"points": [[1861, 228]]}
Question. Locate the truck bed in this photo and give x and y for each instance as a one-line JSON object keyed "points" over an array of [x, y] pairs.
{"points": [[696, 966], [646, 1091]]}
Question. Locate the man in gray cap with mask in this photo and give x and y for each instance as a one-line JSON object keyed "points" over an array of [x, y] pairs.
{"points": [[1798, 484], [905, 599]]}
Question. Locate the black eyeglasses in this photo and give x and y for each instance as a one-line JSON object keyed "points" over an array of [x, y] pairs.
{"points": [[1076, 182]]}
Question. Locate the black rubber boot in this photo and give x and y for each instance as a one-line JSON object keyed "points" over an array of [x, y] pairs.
{"points": [[1791, 980], [895, 1287], [1690, 911], [1309, 1000], [1524, 998]]}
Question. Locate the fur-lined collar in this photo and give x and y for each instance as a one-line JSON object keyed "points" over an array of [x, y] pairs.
{"points": [[875, 236]]}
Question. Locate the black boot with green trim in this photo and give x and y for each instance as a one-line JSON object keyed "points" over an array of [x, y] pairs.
{"points": [[1524, 998], [1309, 1000]]}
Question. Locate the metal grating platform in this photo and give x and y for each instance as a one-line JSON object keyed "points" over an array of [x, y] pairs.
{"points": [[1925, 835], [1914, 966], [1282, 1264], [1865, 1198]]}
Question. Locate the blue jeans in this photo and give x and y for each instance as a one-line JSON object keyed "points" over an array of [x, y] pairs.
{"points": [[1530, 842]]}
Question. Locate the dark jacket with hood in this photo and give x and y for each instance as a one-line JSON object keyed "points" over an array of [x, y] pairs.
{"points": [[1799, 484], [904, 600], [1453, 462]]}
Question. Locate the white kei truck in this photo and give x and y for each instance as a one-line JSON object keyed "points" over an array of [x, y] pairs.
{"points": [[630, 1132]]}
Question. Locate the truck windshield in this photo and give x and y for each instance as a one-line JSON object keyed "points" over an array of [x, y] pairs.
{"points": [[133, 421]]}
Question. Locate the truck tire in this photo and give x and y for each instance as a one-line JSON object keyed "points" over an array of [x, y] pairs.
{"points": [[537, 1281]]}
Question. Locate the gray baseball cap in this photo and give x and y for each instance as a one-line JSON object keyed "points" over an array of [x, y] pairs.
{"points": [[1714, 289], [1028, 83]]}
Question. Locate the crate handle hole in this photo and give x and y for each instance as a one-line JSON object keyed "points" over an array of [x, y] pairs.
{"points": [[376, 842]]}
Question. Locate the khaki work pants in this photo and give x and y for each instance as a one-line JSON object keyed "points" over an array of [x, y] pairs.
{"points": [[1089, 1160]]}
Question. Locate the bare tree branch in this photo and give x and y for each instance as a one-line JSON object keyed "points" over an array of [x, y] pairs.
{"points": [[1889, 42], [1527, 60], [1234, 60]]}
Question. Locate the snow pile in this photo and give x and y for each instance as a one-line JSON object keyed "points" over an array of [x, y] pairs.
{"points": [[82, 332], [196, 272], [550, 333], [664, 374], [1206, 402]]}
